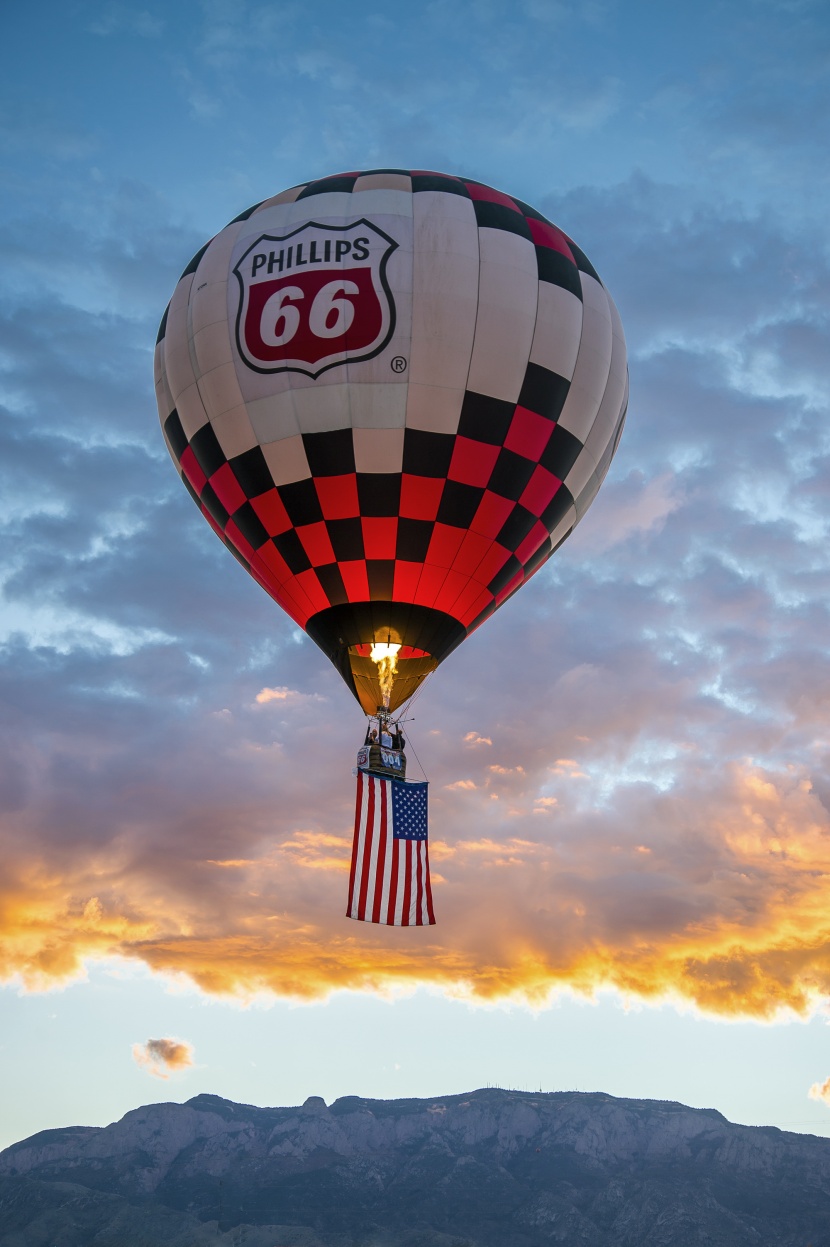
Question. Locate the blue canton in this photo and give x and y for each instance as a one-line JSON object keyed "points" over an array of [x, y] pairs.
{"points": [[409, 811]]}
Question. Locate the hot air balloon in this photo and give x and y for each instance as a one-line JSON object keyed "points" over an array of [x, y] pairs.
{"points": [[392, 394]]}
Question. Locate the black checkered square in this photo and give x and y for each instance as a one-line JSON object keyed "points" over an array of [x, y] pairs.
{"points": [[330, 454], [379, 493], [558, 270], [250, 525], [292, 550], [459, 504], [381, 573], [175, 434], [301, 502], [346, 538], [561, 452], [510, 474], [326, 186], [211, 503], [332, 582], [439, 182], [543, 391], [515, 528], [503, 577], [485, 419], [413, 539], [557, 508], [209, 454], [499, 216], [252, 472], [427, 454]]}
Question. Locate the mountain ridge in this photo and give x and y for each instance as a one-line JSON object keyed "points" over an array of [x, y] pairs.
{"points": [[485, 1168]]}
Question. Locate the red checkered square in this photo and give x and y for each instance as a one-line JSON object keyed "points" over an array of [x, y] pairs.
{"points": [[380, 535], [355, 580], [405, 586], [192, 471], [492, 512], [313, 589], [227, 488], [429, 585], [468, 599], [271, 511], [338, 496], [546, 235], [278, 570], [316, 543], [449, 592], [297, 594], [532, 541], [470, 553], [420, 496], [528, 434], [467, 614], [490, 196], [492, 563], [540, 489], [472, 462], [444, 545]]}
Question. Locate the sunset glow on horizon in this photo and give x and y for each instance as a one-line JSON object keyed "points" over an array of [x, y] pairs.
{"points": [[735, 924]]}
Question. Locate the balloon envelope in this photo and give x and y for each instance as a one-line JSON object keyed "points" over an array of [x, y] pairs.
{"points": [[392, 394]]}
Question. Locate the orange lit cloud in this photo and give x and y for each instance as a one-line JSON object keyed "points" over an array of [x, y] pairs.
{"points": [[282, 694], [820, 1091], [163, 1057], [722, 904]]}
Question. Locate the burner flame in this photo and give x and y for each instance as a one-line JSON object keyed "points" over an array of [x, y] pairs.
{"points": [[386, 657]]}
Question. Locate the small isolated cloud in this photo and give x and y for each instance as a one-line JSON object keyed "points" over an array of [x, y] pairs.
{"points": [[820, 1091], [567, 766], [163, 1057], [288, 695], [473, 738]]}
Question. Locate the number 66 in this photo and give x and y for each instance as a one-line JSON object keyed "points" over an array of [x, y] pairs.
{"points": [[330, 314]]}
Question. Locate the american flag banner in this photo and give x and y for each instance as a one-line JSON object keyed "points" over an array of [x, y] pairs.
{"points": [[389, 880]]}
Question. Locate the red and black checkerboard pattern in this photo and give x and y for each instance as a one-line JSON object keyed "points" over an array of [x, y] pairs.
{"points": [[459, 529]]}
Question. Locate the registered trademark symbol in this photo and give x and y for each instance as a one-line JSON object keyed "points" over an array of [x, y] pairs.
{"points": [[399, 364]]}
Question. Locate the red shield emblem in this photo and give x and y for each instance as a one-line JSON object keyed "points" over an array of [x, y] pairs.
{"points": [[314, 298]]}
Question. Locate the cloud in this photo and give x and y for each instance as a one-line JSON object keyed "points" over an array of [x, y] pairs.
{"points": [[163, 1057], [727, 911], [820, 1091], [283, 694], [629, 786]]}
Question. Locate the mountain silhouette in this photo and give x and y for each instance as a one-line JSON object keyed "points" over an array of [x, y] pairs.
{"points": [[491, 1168]]}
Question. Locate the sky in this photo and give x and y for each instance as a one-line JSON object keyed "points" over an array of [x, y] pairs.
{"points": [[630, 799]]}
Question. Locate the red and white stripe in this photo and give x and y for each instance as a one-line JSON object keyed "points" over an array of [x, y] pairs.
{"points": [[389, 879]]}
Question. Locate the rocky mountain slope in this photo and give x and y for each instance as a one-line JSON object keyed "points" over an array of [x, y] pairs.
{"points": [[491, 1168]]}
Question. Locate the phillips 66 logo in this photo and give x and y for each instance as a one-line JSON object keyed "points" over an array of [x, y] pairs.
{"points": [[314, 298]]}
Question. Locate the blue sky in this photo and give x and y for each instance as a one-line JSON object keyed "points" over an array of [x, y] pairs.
{"points": [[628, 764]]}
